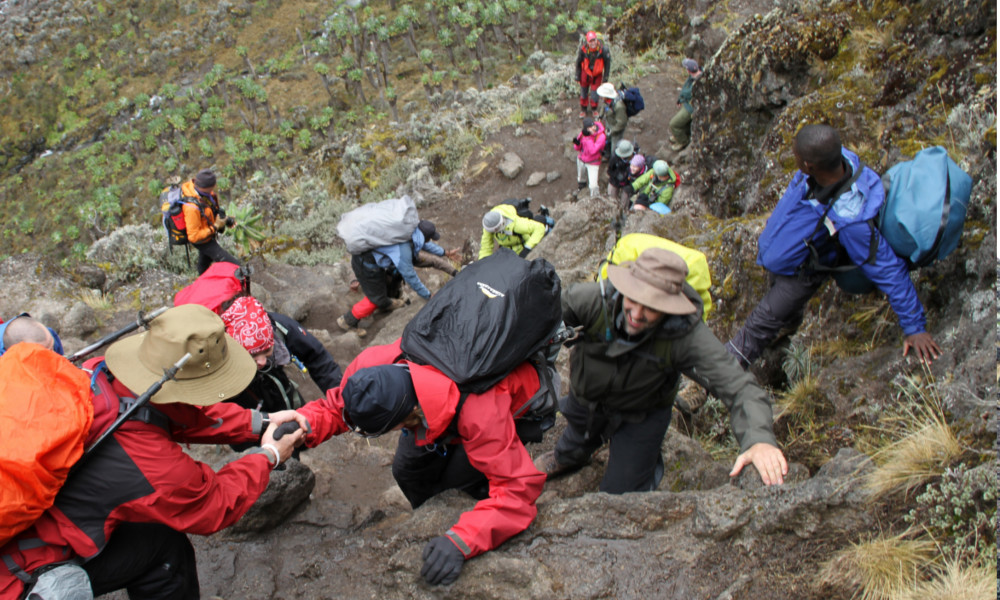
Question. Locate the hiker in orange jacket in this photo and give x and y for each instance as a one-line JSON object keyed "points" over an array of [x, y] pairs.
{"points": [[205, 220], [593, 61]]}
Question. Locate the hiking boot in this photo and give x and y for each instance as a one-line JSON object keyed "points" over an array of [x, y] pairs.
{"points": [[597, 114], [581, 184], [583, 113], [678, 147], [548, 464], [395, 304], [342, 323]]}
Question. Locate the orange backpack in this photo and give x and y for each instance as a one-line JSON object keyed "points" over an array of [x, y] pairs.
{"points": [[45, 415]]}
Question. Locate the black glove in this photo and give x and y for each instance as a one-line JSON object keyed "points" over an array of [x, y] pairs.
{"points": [[442, 561], [642, 199], [576, 140], [524, 252], [230, 221]]}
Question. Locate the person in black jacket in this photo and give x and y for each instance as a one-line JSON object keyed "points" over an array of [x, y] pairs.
{"points": [[276, 341], [619, 185]]}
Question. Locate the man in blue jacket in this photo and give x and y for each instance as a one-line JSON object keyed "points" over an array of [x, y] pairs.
{"points": [[381, 273], [829, 204]]}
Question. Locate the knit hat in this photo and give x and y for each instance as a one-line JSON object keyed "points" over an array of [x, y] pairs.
{"points": [[204, 179], [493, 221], [661, 168], [690, 64], [624, 149], [588, 123], [429, 230], [219, 368], [606, 90], [656, 280], [376, 399], [638, 161], [247, 321]]}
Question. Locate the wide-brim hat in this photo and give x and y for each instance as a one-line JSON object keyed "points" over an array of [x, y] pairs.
{"points": [[219, 367], [625, 149], [656, 280], [606, 90]]}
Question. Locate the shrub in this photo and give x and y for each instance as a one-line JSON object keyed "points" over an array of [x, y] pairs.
{"points": [[129, 251], [960, 512]]}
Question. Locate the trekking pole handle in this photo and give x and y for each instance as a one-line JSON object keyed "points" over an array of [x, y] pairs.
{"points": [[168, 374], [141, 321]]}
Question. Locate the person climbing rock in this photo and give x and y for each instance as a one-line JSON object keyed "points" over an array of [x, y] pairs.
{"points": [[680, 124], [588, 145], [830, 201]]}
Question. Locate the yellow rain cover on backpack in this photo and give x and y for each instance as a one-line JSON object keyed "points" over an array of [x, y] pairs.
{"points": [[45, 416], [630, 246]]}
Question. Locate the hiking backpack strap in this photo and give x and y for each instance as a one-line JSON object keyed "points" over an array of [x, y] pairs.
{"points": [[828, 199], [945, 214]]}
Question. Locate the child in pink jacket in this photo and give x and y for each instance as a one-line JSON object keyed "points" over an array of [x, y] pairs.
{"points": [[589, 144]]}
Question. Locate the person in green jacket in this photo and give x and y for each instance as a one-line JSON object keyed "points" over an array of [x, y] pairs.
{"points": [[502, 226], [680, 125], [655, 185], [639, 335]]}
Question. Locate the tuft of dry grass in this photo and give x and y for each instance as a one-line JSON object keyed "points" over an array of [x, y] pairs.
{"points": [[915, 459], [96, 299], [928, 444], [956, 582], [880, 568], [801, 399]]}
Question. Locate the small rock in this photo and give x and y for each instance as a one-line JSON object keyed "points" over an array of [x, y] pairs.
{"points": [[552, 176], [92, 276], [401, 149], [511, 165], [535, 178], [286, 490], [80, 321]]}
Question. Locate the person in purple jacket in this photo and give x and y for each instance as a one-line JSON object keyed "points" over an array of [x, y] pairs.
{"points": [[829, 204], [588, 144]]}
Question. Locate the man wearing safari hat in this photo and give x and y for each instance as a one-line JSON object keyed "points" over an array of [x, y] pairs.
{"points": [[124, 512], [639, 335], [450, 440]]}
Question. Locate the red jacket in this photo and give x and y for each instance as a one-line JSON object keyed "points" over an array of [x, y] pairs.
{"points": [[485, 429], [142, 475]]}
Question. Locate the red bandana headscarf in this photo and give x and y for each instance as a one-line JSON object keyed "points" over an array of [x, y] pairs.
{"points": [[247, 321]]}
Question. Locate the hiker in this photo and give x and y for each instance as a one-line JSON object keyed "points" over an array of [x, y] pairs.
{"points": [[640, 333], [479, 452], [588, 145], [23, 328], [123, 514], [502, 226], [830, 192], [205, 219], [655, 185], [613, 114], [431, 255], [593, 61], [276, 341], [619, 187], [381, 273], [680, 124]]}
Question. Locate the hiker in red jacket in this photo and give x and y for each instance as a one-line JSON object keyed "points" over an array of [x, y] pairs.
{"points": [[474, 445], [124, 513], [593, 62]]}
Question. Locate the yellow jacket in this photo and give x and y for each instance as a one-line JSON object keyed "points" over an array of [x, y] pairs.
{"points": [[517, 233]]}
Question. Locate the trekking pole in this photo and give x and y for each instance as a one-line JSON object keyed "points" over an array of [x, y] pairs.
{"points": [[141, 401], [141, 321]]}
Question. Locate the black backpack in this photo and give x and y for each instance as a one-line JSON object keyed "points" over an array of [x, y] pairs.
{"points": [[494, 315], [633, 101]]}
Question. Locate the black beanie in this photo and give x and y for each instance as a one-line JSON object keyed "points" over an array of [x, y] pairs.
{"points": [[377, 399], [204, 179], [429, 230]]}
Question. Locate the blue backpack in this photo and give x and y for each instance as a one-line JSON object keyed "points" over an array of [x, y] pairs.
{"points": [[925, 204], [633, 101]]}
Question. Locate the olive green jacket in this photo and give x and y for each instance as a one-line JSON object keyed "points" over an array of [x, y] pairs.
{"points": [[632, 377]]}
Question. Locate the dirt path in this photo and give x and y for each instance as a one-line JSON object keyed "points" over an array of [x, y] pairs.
{"points": [[547, 147]]}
